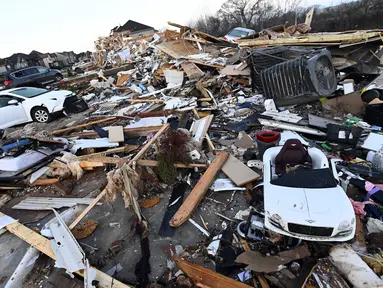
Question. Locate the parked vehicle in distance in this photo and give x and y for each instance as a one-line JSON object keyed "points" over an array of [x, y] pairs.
{"points": [[302, 196], [35, 76], [26, 104], [237, 33], [82, 66]]}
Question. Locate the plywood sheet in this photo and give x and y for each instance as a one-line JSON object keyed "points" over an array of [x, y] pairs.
{"points": [[192, 70], [238, 172]]}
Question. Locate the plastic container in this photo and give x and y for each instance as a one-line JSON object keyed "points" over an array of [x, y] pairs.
{"points": [[344, 134], [266, 140]]}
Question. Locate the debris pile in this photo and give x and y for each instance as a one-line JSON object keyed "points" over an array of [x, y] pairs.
{"points": [[216, 164]]}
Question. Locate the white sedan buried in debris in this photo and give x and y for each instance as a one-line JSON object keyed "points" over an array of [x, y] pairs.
{"points": [[305, 201], [22, 105]]}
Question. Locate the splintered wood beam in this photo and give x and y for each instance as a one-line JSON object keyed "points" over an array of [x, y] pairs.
{"points": [[125, 149], [130, 132], [199, 191], [150, 142], [43, 245], [102, 194], [152, 163], [56, 132], [207, 277], [87, 209]]}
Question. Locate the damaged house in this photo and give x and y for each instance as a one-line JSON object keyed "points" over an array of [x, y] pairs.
{"points": [[133, 29]]}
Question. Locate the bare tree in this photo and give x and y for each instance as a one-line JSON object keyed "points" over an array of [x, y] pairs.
{"points": [[242, 12]]}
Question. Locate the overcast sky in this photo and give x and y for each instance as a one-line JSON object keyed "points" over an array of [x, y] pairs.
{"points": [[53, 26]]}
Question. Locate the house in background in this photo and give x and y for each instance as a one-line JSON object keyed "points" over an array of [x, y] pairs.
{"points": [[133, 29], [71, 57], [40, 59], [16, 61]]}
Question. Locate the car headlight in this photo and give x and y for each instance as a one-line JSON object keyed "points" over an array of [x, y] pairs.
{"points": [[344, 225]]}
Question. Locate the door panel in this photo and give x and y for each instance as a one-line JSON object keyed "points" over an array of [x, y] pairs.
{"points": [[11, 114]]}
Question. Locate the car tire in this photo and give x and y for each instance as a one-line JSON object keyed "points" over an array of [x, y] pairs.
{"points": [[41, 115], [59, 77]]}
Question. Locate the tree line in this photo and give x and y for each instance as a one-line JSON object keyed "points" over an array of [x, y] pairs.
{"points": [[261, 14]]}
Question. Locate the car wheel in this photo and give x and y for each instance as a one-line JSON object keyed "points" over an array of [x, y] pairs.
{"points": [[41, 115], [58, 77]]}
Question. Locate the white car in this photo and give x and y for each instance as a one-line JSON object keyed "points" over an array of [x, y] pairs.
{"points": [[306, 203], [237, 33], [26, 104]]}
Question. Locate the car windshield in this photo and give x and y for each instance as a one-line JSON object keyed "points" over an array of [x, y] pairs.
{"points": [[30, 92], [238, 33], [307, 178]]}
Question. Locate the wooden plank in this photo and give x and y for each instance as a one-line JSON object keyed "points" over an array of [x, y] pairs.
{"points": [[56, 132], [199, 191], [4, 198], [152, 163], [147, 145], [116, 134], [238, 172], [125, 149], [87, 209], [90, 164], [207, 277], [130, 132], [145, 100], [122, 79], [107, 160], [311, 38], [43, 245], [192, 70], [48, 181]]}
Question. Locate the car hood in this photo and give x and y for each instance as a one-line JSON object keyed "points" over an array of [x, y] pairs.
{"points": [[297, 205], [59, 95]]}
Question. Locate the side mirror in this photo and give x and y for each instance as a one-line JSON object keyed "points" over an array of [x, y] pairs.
{"points": [[13, 102]]}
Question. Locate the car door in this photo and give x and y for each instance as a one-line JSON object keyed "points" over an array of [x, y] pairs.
{"points": [[11, 115], [44, 75], [32, 75]]}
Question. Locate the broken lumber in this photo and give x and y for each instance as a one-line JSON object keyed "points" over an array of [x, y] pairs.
{"points": [[207, 277], [57, 132], [207, 137], [87, 209], [102, 194], [125, 149], [4, 198], [199, 191], [312, 39], [147, 145], [130, 132], [153, 163], [107, 160], [43, 245], [47, 181], [192, 70]]}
